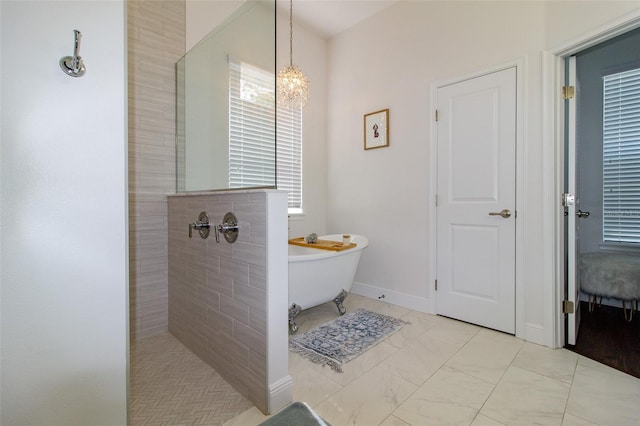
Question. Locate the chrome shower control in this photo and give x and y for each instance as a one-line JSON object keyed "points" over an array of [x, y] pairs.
{"points": [[202, 225], [229, 227]]}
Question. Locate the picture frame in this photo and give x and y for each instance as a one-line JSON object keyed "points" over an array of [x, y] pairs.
{"points": [[376, 129]]}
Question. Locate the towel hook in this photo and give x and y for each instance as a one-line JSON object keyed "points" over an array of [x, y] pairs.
{"points": [[73, 65]]}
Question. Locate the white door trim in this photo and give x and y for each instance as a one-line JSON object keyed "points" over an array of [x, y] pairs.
{"points": [[553, 159], [520, 65]]}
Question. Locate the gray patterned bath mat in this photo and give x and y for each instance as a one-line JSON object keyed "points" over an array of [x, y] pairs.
{"points": [[296, 414], [343, 339]]}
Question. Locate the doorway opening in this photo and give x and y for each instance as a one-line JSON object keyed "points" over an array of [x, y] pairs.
{"points": [[602, 210]]}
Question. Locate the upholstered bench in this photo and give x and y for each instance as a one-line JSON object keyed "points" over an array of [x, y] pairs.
{"points": [[611, 275]]}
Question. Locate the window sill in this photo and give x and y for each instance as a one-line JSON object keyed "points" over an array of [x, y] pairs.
{"points": [[620, 247], [296, 214]]}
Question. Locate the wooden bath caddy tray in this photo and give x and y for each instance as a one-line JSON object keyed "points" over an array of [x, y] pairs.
{"points": [[322, 244]]}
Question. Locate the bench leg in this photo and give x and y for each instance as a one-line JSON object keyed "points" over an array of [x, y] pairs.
{"points": [[593, 302], [624, 308]]}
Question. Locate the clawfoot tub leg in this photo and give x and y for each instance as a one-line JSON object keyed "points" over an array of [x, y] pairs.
{"points": [[339, 299], [294, 311]]}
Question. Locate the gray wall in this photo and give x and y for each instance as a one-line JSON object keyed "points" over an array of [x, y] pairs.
{"points": [[228, 302], [156, 40], [617, 55]]}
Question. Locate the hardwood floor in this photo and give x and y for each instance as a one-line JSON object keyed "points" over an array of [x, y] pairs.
{"points": [[605, 336]]}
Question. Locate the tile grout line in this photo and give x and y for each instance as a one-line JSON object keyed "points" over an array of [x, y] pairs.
{"points": [[432, 374], [573, 377], [496, 385]]}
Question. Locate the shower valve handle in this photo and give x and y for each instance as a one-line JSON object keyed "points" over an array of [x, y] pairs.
{"points": [[202, 225], [198, 226], [229, 228]]}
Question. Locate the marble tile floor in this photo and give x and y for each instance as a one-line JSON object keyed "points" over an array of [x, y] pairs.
{"points": [[438, 371]]}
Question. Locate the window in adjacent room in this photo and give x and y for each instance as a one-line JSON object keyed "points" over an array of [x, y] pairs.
{"points": [[253, 161], [621, 157]]}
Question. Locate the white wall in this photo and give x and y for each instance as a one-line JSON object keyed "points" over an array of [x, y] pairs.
{"points": [[1, 218], [566, 21], [390, 61], [310, 54], [64, 216]]}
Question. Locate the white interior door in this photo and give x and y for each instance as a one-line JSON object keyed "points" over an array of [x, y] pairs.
{"points": [[476, 145], [573, 281]]}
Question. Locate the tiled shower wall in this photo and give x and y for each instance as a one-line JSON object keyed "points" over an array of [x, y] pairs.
{"points": [[156, 40], [218, 290]]}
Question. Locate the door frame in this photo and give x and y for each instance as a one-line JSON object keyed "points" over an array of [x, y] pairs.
{"points": [[520, 65], [553, 129]]}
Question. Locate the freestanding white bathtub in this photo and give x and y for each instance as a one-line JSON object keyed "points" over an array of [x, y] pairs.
{"points": [[318, 276]]}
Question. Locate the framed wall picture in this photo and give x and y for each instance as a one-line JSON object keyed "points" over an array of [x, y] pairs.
{"points": [[376, 129]]}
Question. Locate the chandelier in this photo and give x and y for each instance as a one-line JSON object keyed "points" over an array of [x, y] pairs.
{"points": [[293, 86]]}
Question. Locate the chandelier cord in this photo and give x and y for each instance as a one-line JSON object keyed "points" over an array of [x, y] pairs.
{"points": [[291, 32], [292, 84]]}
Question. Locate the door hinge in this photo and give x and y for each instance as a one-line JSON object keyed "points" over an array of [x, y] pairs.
{"points": [[568, 92], [568, 199], [567, 307], [436, 285], [436, 115]]}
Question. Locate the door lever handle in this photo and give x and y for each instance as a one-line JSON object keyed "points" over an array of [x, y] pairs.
{"points": [[505, 213]]}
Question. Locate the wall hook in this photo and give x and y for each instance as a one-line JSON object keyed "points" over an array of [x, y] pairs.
{"points": [[73, 65]]}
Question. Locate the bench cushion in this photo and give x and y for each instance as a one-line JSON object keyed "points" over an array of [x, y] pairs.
{"points": [[610, 275]]}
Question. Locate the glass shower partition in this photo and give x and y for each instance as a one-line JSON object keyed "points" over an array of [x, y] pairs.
{"points": [[226, 121]]}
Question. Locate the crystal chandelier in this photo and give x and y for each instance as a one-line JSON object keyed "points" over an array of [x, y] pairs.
{"points": [[293, 86]]}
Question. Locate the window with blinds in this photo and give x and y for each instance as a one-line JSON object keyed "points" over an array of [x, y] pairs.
{"points": [[253, 158], [289, 155], [621, 157]]}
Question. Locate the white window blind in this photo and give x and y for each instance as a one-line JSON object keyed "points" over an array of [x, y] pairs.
{"points": [[289, 159], [621, 157], [251, 127], [252, 123]]}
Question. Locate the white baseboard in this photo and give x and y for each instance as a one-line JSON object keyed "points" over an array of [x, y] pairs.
{"points": [[394, 297], [534, 333], [280, 394]]}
